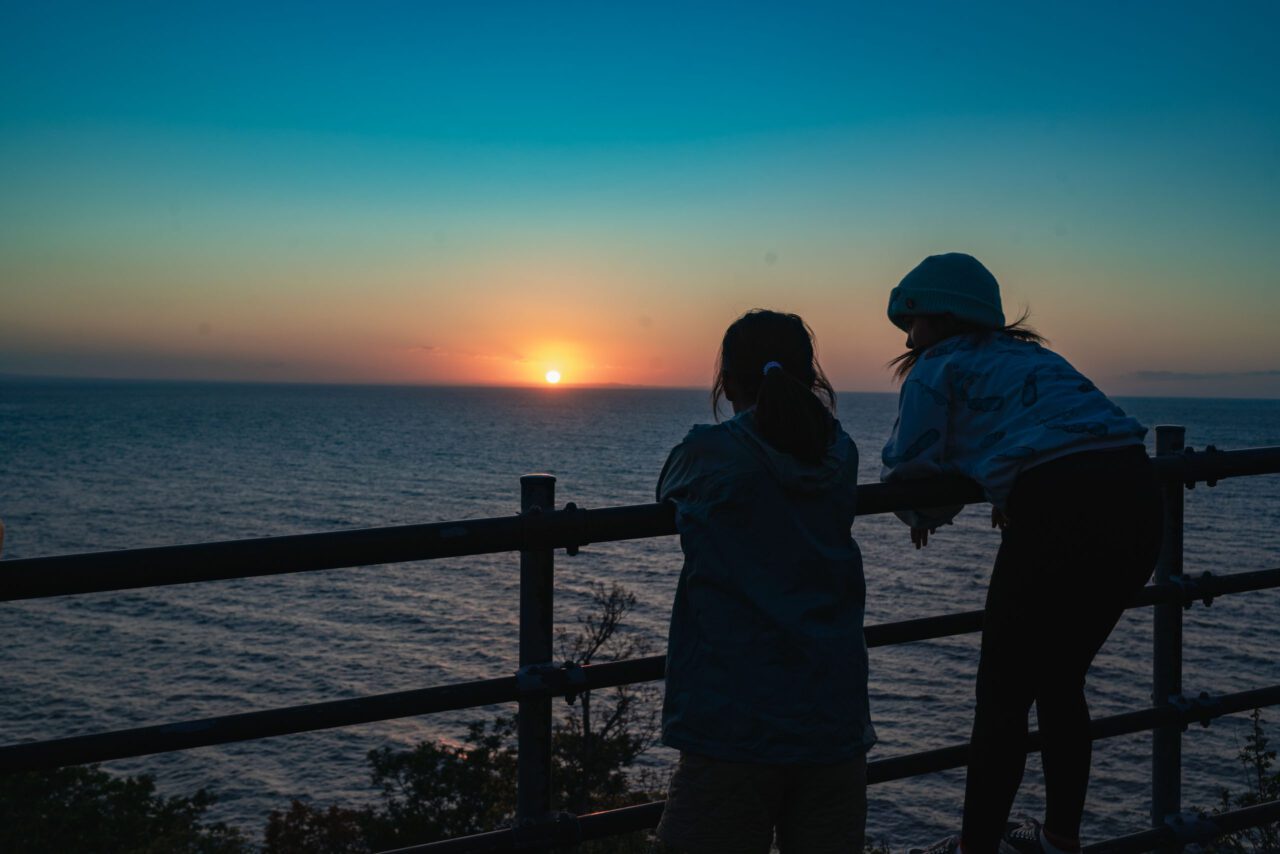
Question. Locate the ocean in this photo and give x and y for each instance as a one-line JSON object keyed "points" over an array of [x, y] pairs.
{"points": [[97, 465]]}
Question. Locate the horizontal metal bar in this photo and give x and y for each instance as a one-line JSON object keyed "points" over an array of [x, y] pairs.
{"points": [[598, 825], [924, 628], [493, 840], [613, 822], [163, 738], [1239, 582], [1200, 466], [141, 741], [1160, 837], [645, 816], [132, 568], [127, 569], [101, 747], [1199, 587], [956, 756], [965, 622]]}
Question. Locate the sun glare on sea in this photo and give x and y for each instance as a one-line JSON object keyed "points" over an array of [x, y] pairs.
{"points": [[553, 377]]}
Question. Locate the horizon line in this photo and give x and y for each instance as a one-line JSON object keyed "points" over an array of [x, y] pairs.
{"points": [[6, 376]]}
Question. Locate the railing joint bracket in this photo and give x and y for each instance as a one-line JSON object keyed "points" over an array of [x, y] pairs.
{"points": [[578, 525], [1193, 588], [535, 529], [1188, 454], [1209, 450], [551, 678], [1203, 707]]}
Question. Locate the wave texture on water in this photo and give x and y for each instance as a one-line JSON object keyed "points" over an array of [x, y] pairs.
{"points": [[90, 466]]}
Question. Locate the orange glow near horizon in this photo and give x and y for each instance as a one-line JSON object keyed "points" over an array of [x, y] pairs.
{"points": [[530, 316]]}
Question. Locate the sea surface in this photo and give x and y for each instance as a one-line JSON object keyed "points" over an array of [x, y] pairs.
{"points": [[95, 465]]}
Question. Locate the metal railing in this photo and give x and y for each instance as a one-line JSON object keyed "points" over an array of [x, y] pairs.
{"points": [[540, 529]]}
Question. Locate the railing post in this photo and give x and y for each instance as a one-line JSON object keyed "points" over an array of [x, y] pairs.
{"points": [[533, 777], [1166, 742]]}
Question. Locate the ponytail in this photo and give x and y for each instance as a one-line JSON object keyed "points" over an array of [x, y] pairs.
{"points": [[767, 358], [791, 418]]}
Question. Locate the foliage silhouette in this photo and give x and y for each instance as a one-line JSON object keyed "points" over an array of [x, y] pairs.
{"points": [[86, 809], [1262, 785], [439, 790], [436, 790]]}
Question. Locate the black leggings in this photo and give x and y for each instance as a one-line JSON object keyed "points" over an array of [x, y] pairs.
{"points": [[1083, 538]]}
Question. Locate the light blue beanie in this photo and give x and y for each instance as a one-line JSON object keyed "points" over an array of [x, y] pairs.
{"points": [[955, 284]]}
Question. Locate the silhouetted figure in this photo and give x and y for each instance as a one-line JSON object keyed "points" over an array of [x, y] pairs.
{"points": [[766, 680], [1079, 509]]}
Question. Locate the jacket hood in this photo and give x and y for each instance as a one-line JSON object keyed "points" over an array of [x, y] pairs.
{"points": [[792, 473]]}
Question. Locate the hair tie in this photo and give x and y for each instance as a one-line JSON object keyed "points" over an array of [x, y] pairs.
{"points": [[770, 365]]}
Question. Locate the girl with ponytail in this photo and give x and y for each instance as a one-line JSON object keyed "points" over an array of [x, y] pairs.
{"points": [[766, 680]]}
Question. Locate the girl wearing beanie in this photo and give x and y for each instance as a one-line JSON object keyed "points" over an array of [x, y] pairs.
{"points": [[1079, 509], [766, 681]]}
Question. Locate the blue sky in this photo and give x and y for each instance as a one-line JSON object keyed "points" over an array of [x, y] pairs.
{"points": [[585, 74], [329, 192]]}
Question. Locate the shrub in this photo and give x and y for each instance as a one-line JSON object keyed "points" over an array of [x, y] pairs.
{"points": [[438, 791], [1262, 785], [86, 809]]}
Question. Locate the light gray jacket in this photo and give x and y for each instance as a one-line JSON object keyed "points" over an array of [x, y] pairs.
{"points": [[988, 407]]}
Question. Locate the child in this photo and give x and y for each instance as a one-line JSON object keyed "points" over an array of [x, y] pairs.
{"points": [[1079, 509], [766, 681]]}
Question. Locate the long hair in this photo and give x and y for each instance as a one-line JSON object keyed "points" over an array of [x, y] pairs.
{"points": [[794, 405], [1019, 329]]}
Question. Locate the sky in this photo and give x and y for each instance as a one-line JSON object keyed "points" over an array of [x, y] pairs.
{"points": [[478, 193]]}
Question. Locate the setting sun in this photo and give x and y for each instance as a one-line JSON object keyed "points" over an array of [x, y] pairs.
{"points": [[553, 377]]}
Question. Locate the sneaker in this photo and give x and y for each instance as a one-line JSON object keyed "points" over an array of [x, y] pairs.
{"points": [[949, 845], [1022, 838]]}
